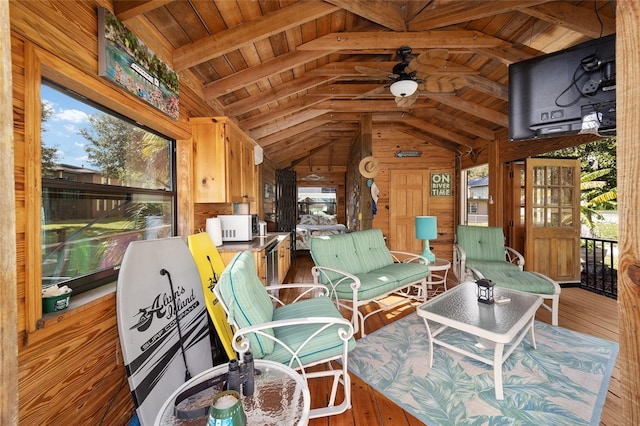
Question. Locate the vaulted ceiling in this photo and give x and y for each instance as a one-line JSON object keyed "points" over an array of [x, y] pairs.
{"points": [[290, 73]]}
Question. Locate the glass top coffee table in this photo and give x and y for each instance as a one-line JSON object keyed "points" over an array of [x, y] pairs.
{"points": [[502, 324]]}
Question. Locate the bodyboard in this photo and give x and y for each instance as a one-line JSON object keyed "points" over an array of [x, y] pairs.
{"points": [[210, 266], [148, 324]]}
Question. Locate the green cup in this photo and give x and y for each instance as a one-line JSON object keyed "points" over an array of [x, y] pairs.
{"points": [[226, 410]]}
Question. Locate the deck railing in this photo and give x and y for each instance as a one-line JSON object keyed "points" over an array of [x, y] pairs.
{"points": [[599, 266]]}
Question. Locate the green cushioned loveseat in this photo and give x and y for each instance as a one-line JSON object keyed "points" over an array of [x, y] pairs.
{"points": [[358, 269]]}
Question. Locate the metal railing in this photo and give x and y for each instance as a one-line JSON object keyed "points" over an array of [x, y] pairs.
{"points": [[599, 266]]}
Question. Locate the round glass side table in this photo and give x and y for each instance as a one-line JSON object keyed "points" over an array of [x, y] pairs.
{"points": [[281, 397], [437, 279]]}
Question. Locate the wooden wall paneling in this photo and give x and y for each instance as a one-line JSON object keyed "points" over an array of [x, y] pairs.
{"points": [[8, 293], [69, 366], [627, 24]]}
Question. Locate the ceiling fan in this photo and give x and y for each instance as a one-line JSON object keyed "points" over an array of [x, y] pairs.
{"points": [[410, 75]]}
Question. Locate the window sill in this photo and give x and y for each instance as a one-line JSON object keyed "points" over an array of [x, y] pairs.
{"points": [[79, 304]]}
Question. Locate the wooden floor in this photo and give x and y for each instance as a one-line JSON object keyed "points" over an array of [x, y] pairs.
{"points": [[580, 310]]}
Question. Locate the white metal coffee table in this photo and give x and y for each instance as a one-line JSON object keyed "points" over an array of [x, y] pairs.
{"points": [[501, 324]]}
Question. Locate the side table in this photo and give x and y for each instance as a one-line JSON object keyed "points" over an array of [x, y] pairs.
{"points": [[441, 266], [281, 397]]}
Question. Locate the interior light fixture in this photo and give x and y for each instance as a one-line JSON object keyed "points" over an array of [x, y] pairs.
{"points": [[403, 88]]}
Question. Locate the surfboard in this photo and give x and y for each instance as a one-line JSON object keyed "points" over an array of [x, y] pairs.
{"points": [[210, 266], [162, 321]]}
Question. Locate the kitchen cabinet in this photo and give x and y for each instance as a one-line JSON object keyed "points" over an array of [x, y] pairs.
{"points": [[266, 257], [284, 258], [223, 162]]}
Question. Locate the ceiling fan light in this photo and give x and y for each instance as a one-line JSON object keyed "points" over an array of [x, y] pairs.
{"points": [[403, 88]]}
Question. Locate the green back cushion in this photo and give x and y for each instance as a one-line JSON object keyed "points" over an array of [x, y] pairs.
{"points": [[371, 250], [335, 251], [481, 242], [247, 300]]}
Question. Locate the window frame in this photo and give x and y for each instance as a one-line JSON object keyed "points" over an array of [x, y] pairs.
{"points": [[82, 283], [80, 78]]}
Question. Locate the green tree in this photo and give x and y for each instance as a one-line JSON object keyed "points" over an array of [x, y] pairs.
{"points": [[114, 147], [48, 155], [593, 199]]}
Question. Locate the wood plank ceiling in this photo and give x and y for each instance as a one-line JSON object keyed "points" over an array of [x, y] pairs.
{"points": [[285, 70]]}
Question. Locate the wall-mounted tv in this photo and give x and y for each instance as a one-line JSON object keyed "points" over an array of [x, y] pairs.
{"points": [[567, 92]]}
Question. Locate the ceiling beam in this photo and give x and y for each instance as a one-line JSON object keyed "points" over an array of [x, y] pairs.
{"points": [[239, 36], [579, 19], [364, 41], [278, 92], [488, 86], [385, 13], [472, 108], [457, 12], [276, 113], [427, 138], [128, 9], [278, 126], [348, 69], [266, 69]]}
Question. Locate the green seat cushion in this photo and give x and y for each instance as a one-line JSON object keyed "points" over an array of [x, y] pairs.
{"points": [[499, 265], [325, 345], [407, 273], [247, 300], [519, 280], [481, 243]]}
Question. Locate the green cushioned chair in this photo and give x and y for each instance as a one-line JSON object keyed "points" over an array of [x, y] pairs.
{"points": [[307, 332], [479, 252]]}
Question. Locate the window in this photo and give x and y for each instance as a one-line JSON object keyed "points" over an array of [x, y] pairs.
{"points": [[317, 200], [105, 183]]}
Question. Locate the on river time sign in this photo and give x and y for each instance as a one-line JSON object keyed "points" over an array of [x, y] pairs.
{"points": [[441, 184]]}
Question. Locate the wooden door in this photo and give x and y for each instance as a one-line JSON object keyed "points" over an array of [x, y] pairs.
{"points": [[514, 203], [552, 218], [406, 201]]}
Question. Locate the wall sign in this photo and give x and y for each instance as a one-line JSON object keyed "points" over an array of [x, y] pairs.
{"points": [[126, 61], [441, 185]]}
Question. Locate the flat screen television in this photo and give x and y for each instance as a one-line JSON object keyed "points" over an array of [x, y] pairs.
{"points": [[567, 92]]}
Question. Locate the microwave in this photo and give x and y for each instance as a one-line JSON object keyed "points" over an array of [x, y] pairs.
{"points": [[238, 227]]}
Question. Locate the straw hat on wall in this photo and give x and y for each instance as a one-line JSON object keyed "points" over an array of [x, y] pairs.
{"points": [[369, 167]]}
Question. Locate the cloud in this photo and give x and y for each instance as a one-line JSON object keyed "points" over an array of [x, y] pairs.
{"points": [[70, 115]]}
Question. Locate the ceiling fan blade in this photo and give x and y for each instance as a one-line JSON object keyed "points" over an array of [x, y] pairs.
{"points": [[406, 101], [430, 61], [372, 72], [376, 91]]}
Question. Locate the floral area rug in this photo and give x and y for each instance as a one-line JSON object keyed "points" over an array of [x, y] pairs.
{"points": [[562, 382]]}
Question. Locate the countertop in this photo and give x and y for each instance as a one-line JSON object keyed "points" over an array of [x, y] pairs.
{"points": [[257, 244]]}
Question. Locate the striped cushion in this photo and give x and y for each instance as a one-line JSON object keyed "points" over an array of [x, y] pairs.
{"points": [[325, 345], [488, 265], [371, 250], [519, 280], [247, 300], [335, 251], [481, 242]]}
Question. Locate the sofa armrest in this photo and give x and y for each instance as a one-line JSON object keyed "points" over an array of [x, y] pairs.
{"points": [[320, 273], [305, 290], [513, 256], [344, 332], [459, 263], [407, 257]]}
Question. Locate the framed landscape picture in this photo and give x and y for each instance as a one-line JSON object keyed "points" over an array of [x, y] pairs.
{"points": [[126, 61]]}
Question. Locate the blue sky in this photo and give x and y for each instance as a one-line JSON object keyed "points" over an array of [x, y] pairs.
{"points": [[62, 127]]}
